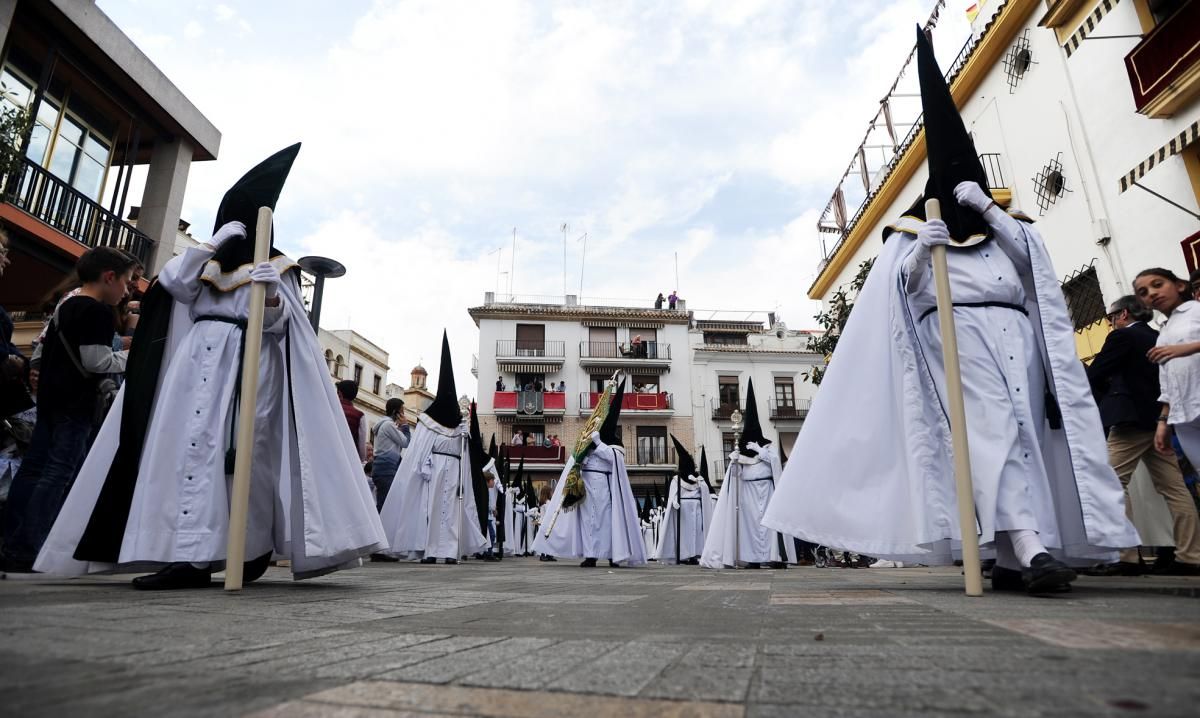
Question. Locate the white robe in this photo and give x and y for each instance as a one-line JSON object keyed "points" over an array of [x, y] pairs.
{"points": [[430, 509], [518, 528], [691, 509], [876, 475], [309, 500], [605, 523], [754, 478]]}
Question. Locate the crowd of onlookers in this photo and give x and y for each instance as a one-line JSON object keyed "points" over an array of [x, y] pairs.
{"points": [[532, 385]]}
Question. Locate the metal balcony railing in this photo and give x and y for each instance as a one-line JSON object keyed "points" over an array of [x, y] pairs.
{"points": [[66, 209], [530, 349], [993, 169], [723, 410], [651, 453], [794, 410], [623, 350]]}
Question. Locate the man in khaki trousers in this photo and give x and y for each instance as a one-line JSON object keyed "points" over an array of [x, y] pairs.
{"points": [[1126, 385]]}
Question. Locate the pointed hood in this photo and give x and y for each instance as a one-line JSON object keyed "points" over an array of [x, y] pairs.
{"points": [[444, 409], [608, 430], [951, 152], [704, 466], [686, 464], [479, 459], [752, 428], [260, 187], [492, 450]]}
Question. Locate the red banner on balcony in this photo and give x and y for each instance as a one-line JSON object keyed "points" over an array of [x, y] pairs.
{"points": [[555, 400], [1164, 59], [505, 400]]}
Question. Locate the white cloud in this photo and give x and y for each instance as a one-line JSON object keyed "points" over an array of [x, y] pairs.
{"points": [[193, 29]]}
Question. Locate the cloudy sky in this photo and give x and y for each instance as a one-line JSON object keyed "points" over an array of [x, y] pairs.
{"points": [[714, 132]]}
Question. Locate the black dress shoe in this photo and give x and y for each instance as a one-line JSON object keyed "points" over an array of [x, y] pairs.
{"points": [[754, 564], [175, 575], [429, 559], [1006, 579], [612, 564], [778, 564], [9, 565], [383, 558], [1047, 574], [451, 561], [550, 558], [588, 563], [254, 569]]}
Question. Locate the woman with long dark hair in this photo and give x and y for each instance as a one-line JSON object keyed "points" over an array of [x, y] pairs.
{"points": [[391, 438]]}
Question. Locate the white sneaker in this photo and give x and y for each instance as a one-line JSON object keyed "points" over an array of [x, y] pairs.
{"points": [[884, 563]]}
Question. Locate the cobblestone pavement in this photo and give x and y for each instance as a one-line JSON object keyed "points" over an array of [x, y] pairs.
{"points": [[524, 638]]}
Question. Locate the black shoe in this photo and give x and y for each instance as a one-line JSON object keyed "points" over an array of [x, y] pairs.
{"points": [[1119, 568], [429, 559], [778, 564], [254, 569], [588, 563], [550, 558], [383, 558], [755, 564], [491, 557], [611, 564], [451, 561], [1006, 579], [1047, 574], [175, 575], [1179, 568]]}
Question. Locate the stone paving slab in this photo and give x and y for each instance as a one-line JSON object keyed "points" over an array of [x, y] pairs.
{"points": [[522, 636]]}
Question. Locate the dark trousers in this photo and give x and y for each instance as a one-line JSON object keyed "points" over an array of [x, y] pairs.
{"points": [[56, 451]]}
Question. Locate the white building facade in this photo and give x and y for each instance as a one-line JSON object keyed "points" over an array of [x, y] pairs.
{"points": [[350, 355], [726, 356], [1110, 173], [542, 366]]}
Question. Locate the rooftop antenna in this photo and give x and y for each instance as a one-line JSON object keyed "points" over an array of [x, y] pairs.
{"points": [[499, 252], [564, 229], [582, 260], [512, 271]]}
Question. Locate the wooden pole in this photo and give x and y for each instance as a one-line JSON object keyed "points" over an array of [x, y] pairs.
{"points": [[972, 573], [239, 495]]}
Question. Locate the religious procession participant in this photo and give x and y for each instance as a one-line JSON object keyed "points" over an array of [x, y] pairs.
{"points": [[483, 482], [431, 511], [688, 513], [1044, 492], [592, 513], [737, 533], [153, 492], [518, 523]]}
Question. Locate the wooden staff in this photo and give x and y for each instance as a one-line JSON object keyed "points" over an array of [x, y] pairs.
{"points": [[972, 573], [239, 496]]}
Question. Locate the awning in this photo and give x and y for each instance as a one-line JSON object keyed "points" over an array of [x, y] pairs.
{"points": [[622, 323], [605, 369], [1174, 147], [547, 368], [529, 419], [1089, 24]]}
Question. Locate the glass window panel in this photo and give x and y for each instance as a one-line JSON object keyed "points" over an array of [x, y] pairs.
{"points": [[38, 141], [89, 177], [71, 130], [16, 90], [47, 113], [63, 159], [95, 148]]}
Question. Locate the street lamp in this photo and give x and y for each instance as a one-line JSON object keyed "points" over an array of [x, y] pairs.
{"points": [[320, 268]]}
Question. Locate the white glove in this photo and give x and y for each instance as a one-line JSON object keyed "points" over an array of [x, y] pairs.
{"points": [[267, 274], [931, 234], [228, 231], [971, 195], [734, 455], [753, 445]]}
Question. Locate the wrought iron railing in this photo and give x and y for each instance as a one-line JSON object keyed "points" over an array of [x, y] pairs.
{"points": [[653, 454], [723, 410], [66, 209], [784, 411], [623, 350], [633, 401], [993, 170], [530, 348]]}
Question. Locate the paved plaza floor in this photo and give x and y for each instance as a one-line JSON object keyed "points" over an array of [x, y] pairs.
{"points": [[525, 638]]}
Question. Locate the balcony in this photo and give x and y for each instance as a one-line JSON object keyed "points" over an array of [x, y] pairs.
{"points": [[721, 411], [645, 356], [536, 454], [60, 206], [659, 402], [529, 356], [651, 455], [1164, 68], [530, 403], [792, 411]]}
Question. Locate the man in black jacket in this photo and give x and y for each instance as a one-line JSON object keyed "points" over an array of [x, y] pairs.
{"points": [[1126, 385]]}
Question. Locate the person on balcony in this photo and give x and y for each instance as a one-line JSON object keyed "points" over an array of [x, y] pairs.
{"points": [[737, 533], [1045, 495], [562, 386], [658, 302], [153, 490], [500, 383], [671, 300], [431, 510], [688, 513], [603, 523], [518, 438]]}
